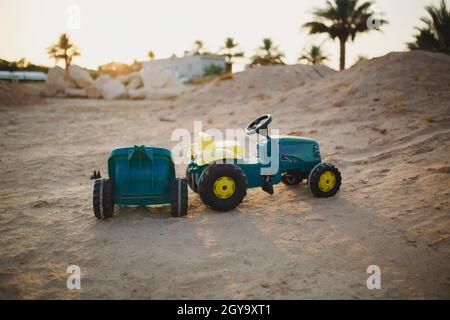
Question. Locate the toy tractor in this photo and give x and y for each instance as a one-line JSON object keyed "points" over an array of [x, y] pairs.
{"points": [[220, 175], [140, 176]]}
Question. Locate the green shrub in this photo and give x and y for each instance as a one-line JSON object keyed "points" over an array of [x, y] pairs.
{"points": [[213, 70]]}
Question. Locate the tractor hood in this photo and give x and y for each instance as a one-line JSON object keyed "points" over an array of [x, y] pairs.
{"points": [[295, 139], [306, 149]]}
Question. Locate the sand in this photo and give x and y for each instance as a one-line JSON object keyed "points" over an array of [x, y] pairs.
{"points": [[385, 123]]}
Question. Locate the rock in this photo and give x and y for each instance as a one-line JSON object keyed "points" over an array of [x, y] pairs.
{"points": [[139, 93], [57, 81], [155, 77], [75, 93], [101, 80], [124, 78], [80, 76], [160, 83], [93, 92], [59, 77], [135, 81], [83, 80], [113, 89]]}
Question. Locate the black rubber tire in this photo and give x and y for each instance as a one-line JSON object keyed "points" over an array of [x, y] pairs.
{"points": [[291, 180], [103, 205], [190, 180], [314, 177], [179, 198], [206, 185]]}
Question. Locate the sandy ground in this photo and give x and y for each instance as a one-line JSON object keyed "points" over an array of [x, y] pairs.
{"points": [[385, 123]]}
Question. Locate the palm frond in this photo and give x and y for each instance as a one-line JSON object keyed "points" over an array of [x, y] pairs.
{"points": [[435, 35]]}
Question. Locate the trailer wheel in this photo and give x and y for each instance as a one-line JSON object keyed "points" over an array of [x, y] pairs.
{"points": [[223, 186], [103, 199], [324, 180], [179, 197]]}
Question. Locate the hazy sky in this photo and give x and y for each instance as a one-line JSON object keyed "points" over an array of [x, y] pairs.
{"points": [[107, 30]]}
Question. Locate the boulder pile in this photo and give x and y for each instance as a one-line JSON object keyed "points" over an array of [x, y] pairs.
{"points": [[152, 82]]}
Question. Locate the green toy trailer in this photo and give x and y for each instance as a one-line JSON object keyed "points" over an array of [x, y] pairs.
{"points": [[140, 176], [220, 175]]}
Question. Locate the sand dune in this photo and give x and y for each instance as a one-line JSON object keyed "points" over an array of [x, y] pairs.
{"points": [[385, 123]]}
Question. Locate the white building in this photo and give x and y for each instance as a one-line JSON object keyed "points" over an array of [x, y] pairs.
{"points": [[189, 66]]}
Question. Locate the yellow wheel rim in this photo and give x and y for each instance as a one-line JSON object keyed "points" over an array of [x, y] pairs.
{"points": [[327, 181], [224, 187]]}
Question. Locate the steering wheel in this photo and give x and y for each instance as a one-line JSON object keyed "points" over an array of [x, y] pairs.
{"points": [[261, 123]]}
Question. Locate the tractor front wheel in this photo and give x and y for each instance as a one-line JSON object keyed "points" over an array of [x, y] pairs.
{"points": [[223, 186], [190, 178], [324, 180], [179, 197], [103, 200]]}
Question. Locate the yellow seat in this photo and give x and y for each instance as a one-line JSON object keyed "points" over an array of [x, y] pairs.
{"points": [[206, 150], [205, 141]]}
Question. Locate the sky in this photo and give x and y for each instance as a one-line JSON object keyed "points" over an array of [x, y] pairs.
{"points": [[124, 30]]}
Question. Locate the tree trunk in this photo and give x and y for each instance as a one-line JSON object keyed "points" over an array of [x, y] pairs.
{"points": [[342, 59], [66, 59], [229, 67]]}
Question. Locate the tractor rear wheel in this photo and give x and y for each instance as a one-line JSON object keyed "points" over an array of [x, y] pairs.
{"points": [[103, 199], [324, 180], [223, 186], [179, 198], [291, 180]]}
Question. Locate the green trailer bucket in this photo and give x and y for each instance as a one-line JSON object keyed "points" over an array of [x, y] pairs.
{"points": [[141, 176]]}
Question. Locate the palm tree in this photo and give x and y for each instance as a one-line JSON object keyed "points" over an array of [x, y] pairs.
{"points": [[435, 35], [199, 46], [22, 63], [313, 55], [267, 54], [151, 55], [343, 19], [63, 49], [230, 51]]}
